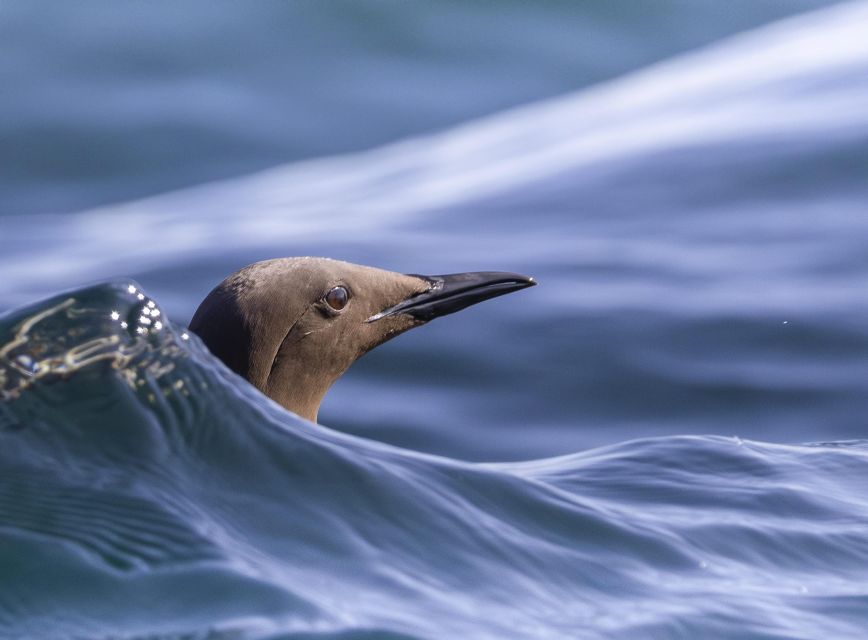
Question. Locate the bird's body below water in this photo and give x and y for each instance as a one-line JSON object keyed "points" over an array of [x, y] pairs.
{"points": [[292, 326]]}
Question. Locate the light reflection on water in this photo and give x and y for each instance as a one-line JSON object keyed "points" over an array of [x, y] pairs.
{"points": [[698, 230], [676, 219]]}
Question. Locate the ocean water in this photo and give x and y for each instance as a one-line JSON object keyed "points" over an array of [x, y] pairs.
{"points": [[664, 439], [148, 492]]}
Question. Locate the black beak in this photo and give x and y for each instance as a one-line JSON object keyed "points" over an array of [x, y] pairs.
{"points": [[454, 292]]}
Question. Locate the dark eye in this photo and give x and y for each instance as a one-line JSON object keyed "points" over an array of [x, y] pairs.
{"points": [[337, 298]]}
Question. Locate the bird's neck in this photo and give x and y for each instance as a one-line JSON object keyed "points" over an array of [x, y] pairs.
{"points": [[302, 399]]}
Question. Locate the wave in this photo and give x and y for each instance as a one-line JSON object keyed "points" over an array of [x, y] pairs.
{"points": [[147, 492], [139, 474], [793, 83]]}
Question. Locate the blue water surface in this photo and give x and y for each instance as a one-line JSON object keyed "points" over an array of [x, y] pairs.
{"points": [[149, 492], [619, 452]]}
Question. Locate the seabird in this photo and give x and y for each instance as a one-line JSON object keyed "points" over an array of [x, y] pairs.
{"points": [[293, 326]]}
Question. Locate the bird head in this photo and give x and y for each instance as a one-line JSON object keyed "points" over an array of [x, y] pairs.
{"points": [[293, 326]]}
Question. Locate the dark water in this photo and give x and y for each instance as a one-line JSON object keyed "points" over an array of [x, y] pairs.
{"points": [[699, 227], [104, 101], [139, 475]]}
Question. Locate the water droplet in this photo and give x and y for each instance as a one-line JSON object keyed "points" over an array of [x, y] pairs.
{"points": [[27, 362]]}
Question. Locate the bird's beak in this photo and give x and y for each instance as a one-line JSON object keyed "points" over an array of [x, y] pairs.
{"points": [[454, 292]]}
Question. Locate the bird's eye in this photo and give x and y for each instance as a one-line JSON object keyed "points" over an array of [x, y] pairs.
{"points": [[337, 298]]}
